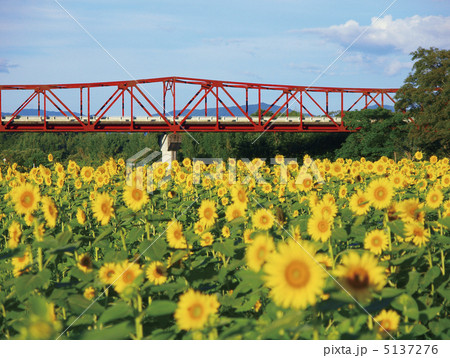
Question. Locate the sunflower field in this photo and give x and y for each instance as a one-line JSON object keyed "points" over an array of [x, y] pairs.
{"points": [[349, 250]]}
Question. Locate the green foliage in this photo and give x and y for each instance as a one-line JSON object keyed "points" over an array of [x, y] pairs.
{"points": [[425, 97], [30, 149], [255, 145], [381, 132]]}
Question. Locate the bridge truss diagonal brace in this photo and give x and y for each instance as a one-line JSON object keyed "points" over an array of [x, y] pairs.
{"points": [[221, 91]]}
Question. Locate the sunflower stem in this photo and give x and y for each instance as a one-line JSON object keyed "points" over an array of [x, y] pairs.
{"points": [[386, 221], [40, 258], [147, 230], [138, 320], [430, 261], [330, 249], [443, 262], [122, 236]]}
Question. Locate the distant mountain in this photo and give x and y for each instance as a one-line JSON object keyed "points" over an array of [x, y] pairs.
{"points": [[374, 106], [252, 108], [33, 112]]}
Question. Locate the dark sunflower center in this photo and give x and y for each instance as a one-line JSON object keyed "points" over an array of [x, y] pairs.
{"points": [[105, 208], [358, 278], [85, 261]]}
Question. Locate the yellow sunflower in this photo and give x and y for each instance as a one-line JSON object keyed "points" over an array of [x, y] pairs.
{"points": [[108, 273], [226, 231], [267, 188], [417, 233], [193, 310], [39, 231], [343, 191], [81, 216], [410, 211], [134, 198], [360, 275], [239, 195], [234, 211], [258, 251], [127, 274], [175, 237], [85, 263], [325, 209], [434, 198], [376, 241], [294, 278], [207, 213], [445, 180], [421, 185], [380, 193], [397, 179], [14, 234], [325, 260], [418, 155], [26, 198], [29, 219], [50, 211], [262, 219], [89, 293], [359, 203], [319, 228], [103, 208], [87, 174], [388, 320], [156, 273], [21, 262], [246, 235], [199, 227], [207, 239]]}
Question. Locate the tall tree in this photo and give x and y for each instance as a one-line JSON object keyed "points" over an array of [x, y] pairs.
{"points": [[379, 132], [425, 98]]}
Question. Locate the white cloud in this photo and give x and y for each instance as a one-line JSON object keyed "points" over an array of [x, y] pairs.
{"points": [[387, 34], [5, 65], [388, 65]]}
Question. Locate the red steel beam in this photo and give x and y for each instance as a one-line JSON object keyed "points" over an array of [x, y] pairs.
{"points": [[212, 88]]}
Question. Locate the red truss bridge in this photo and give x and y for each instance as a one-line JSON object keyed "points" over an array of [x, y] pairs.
{"points": [[151, 105]]}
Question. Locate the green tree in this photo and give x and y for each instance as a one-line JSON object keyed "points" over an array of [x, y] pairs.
{"points": [[425, 98], [379, 132]]}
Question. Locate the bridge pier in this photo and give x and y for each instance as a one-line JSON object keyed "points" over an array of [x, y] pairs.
{"points": [[169, 144]]}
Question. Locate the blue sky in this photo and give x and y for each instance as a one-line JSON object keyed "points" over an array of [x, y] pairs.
{"points": [[269, 41]]}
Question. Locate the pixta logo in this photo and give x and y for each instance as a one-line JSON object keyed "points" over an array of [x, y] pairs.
{"points": [[135, 165], [143, 166]]}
